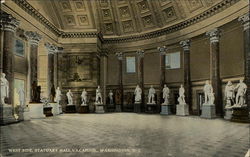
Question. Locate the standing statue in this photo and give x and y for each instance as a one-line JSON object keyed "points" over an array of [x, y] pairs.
{"points": [[241, 91], [58, 96], [229, 93], [4, 88], [98, 98], [21, 95], [208, 89], [151, 95], [138, 93], [84, 97], [52, 93], [111, 101], [118, 96], [181, 98], [69, 95], [166, 92]]}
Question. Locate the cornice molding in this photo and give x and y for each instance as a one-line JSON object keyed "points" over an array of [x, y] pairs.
{"points": [[59, 33]]}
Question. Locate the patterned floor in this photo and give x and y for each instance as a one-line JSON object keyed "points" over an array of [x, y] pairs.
{"points": [[124, 134]]}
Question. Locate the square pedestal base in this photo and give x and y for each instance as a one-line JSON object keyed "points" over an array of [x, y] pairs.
{"points": [[240, 114], [83, 109], [151, 108], [166, 110], [7, 115], [99, 108], [118, 108], [48, 111], [26, 114], [70, 109], [182, 110], [55, 108], [36, 110], [137, 107], [208, 111], [228, 113]]}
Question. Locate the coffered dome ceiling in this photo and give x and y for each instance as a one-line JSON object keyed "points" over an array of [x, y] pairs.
{"points": [[119, 17]]}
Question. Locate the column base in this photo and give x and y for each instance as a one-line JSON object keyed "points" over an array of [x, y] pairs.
{"points": [[166, 109], [7, 116], [36, 110], [182, 110], [99, 108], [208, 111], [240, 114]]}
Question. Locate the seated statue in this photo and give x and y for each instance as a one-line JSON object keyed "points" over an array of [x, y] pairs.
{"points": [[151, 95]]}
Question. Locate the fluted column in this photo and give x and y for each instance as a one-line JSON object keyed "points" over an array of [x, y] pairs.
{"points": [[120, 58], [185, 44], [214, 36], [140, 74], [34, 39], [104, 69], [9, 25], [245, 22], [51, 49]]}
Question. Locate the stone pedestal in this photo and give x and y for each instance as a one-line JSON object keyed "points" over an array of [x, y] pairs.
{"points": [[7, 115], [166, 110], [182, 110], [36, 110], [83, 109], [110, 107], [118, 108], [208, 111], [137, 107], [240, 114], [26, 114], [99, 108], [48, 111], [20, 113], [228, 113], [70, 109], [60, 109], [55, 108], [151, 108]]}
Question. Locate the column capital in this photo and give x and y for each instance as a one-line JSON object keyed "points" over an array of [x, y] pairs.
{"points": [[119, 55], [162, 50], [104, 54], [214, 35], [33, 37], [244, 19], [51, 48], [8, 22], [185, 44], [140, 53]]}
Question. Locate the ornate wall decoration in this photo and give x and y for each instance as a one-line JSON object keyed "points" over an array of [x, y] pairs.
{"points": [[108, 28], [83, 20], [103, 3], [79, 4], [148, 21], [194, 5], [143, 6], [106, 14], [127, 26], [69, 20], [169, 14], [65, 5], [124, 12], [164, 2]]}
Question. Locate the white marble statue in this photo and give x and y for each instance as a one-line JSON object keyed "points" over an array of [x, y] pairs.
{"points": [[111, 101], [21, 95], [151, 95], [58, 96], [241, 91], [98, 98], [84, 97], [4, 88], [229, 93], [138, 93], [208, 90], [181, 98], [69, 95], [166, 93]]}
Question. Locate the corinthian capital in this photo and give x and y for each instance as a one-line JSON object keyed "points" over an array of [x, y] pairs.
{"points": [[244, 19], [119, 55], [33, 37], [185, 44], [51, 49], [8, 22], [214, 35], [140, 53], [162, 50]]}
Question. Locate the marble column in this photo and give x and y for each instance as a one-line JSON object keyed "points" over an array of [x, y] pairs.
{"points": [[34, 39], [104, 70], [245, 22], [214, 36], [9, 25], [120, 58], [185, 44], [140, 74], [51, 49], [162, 51]]}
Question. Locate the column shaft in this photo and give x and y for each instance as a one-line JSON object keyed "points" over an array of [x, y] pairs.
{"points": [[187, 79], [50, 75]]}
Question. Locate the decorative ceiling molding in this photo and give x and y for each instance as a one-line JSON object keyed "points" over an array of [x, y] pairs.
{"points": [[127, 25]]}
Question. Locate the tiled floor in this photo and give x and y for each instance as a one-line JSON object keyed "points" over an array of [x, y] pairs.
{"points": [[134, 135]]}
